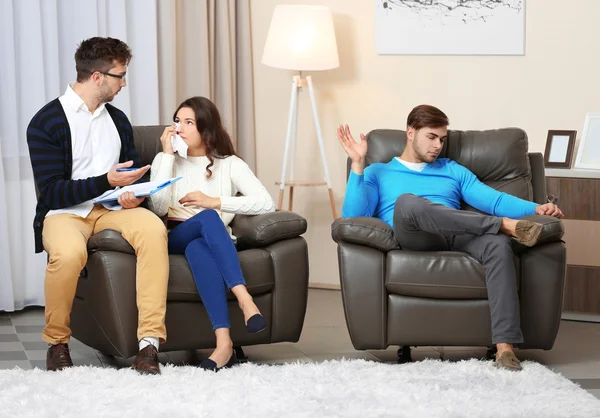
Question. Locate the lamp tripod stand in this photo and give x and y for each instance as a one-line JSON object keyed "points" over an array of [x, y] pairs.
{"points": [[290, 146]]}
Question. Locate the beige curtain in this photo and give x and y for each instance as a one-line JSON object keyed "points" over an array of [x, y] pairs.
{"points": [[204, 49]]}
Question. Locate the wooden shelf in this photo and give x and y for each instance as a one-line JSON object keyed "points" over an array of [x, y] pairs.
{"points": [[300, 183]]}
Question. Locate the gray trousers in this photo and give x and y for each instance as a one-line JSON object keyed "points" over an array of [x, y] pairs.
{"points": [[421, 225]]}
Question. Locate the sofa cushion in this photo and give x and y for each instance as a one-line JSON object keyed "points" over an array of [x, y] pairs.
{"points": [[498, 157], [147, 141], [439, 275], [257, 268]]}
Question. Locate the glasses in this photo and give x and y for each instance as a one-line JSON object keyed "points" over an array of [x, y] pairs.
{"points": [[120, 77]]}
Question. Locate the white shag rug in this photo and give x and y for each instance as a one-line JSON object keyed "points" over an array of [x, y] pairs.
{"points": [[341, 388]]}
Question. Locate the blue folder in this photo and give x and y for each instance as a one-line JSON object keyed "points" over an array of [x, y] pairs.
{"points": [[140, 190]]}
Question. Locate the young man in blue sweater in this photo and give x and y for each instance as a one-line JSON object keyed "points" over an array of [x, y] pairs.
{"points": [[420, 196], [76, 144]]}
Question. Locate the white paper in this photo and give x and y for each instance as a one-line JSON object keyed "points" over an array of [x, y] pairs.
{"points": [[558, 149], [139, 189], [112, 205]]}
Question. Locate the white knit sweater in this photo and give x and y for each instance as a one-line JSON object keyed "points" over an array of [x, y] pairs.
{"points": [[229, 176]]}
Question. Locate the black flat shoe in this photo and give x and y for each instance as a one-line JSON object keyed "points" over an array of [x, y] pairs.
{"points": [[211, 365], [256, 323]]}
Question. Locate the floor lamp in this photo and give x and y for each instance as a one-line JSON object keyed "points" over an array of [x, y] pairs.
{"points": [[301, 38]]}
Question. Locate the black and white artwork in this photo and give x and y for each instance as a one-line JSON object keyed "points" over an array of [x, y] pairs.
{"points": [[450, 27]]}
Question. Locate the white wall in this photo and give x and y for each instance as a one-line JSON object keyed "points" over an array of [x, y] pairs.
{"points": [[551, 87]]}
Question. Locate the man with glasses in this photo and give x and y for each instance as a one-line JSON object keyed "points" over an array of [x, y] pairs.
{"points": [[76, 144]]}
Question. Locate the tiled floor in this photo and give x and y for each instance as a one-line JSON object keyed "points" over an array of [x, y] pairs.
{"points": [[576, 354]]}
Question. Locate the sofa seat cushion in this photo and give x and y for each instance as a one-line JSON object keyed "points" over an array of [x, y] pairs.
{"points": [[498, 157], [438, 275], [257, 269]]}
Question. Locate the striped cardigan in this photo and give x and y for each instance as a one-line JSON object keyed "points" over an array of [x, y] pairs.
{"points": [[49, 142]]}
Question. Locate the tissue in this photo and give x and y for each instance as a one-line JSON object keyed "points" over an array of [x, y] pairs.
{"points": [[179, 144]]}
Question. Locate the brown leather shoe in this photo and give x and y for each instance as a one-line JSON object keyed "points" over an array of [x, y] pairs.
{"points": [[58, 357], [528, 232], [146, 361], [508, 361]]}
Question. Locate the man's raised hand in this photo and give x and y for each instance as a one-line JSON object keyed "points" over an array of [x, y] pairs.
{"points": [[356, 150]]}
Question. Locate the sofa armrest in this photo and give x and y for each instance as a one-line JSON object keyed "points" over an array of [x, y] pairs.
{"points": [[553, 229], [371, 232], [362, 278], [109, 240], [255, 231], [543, 272], [290, 292], [538, 178]]}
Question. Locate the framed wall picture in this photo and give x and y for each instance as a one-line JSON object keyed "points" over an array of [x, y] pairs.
{"points": [[450, 27], [588, 152], [559, 148]]}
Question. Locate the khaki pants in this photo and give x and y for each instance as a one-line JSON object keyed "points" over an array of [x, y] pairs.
{"points": [[65, 239]]}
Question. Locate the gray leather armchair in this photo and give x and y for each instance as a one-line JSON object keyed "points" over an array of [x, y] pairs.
{"points": [[393, 296], [274, 260]]}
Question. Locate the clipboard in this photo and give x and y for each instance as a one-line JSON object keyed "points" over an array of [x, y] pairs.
{"points": [[139, 189]]}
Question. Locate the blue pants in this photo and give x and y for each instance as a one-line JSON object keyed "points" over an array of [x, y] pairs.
{"points": [[213, 259]]}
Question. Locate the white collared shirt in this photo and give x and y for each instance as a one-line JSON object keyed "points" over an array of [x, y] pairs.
{"points": [[95, 143]]}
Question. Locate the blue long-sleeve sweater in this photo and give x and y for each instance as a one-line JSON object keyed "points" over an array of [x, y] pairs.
{"points": [[444, 181]]}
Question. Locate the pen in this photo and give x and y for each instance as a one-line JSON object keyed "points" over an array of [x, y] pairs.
{"points": [[126, 169]]}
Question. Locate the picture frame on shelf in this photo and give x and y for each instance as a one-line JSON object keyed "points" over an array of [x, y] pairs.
{"points": [[559, 148], [588, 151]]}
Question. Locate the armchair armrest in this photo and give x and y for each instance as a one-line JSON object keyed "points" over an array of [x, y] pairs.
{"points": [[109, 240], [371, 232], [254, 231], [553, 229]]}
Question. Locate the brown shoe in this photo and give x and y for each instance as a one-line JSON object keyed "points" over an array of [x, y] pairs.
{"points": [[528, 232], [146, 361], [508, 361], [58, 357]]}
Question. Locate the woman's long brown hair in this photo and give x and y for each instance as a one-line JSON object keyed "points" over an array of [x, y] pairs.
{"points": [[208, 122]]}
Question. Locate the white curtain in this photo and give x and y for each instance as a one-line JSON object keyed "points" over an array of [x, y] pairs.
{"points": [[180, 48]]}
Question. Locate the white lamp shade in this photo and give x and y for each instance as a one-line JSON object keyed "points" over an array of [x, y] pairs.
{"points": [[301, 38]]}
